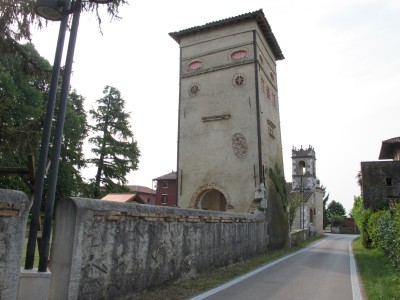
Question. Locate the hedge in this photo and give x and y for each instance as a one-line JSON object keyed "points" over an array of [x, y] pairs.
{"points": [[381, 229]]}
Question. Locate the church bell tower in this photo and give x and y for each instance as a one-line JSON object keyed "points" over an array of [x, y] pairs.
{"points": [[303, 169]]}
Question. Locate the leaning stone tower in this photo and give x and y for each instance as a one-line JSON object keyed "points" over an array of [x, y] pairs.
{"points": [[229, 134]]}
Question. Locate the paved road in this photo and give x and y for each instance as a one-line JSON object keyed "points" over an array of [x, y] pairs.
{"points": [[325, 270]]}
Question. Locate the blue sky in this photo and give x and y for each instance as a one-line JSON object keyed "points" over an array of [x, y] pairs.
{"points": [[339, 84]]}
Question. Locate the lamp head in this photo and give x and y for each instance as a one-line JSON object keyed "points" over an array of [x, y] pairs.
{"points": [[49, 9]]}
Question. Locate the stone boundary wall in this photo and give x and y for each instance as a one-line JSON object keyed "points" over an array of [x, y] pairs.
{"points": [[298, 236], [345, 230], [14, 208], [110, 250]]}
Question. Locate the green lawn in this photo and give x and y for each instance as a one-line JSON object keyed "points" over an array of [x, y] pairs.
{"points": [[379, 278]]}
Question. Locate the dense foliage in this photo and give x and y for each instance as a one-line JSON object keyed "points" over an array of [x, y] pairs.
{"points": [[279, 181], [23, 102], [72, 160], [380, 229], [23, 94]]}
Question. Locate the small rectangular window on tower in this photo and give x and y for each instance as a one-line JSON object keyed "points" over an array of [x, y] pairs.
{"points": [[271, 127], [165, 184], [388, 181], [164, 199]]}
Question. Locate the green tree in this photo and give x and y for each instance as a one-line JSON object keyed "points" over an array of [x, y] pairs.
{"points": [[335, 209], [72, 160], [116, 150], [358, 207], [23, 95], [23, 101]]}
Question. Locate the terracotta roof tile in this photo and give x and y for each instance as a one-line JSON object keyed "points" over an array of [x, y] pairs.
{"points": [[141, 189]]}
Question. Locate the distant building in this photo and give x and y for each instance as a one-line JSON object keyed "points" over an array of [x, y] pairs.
{"points": [[147, 194], [166, 190], [381, 179], [306, 187], [137, 194]]}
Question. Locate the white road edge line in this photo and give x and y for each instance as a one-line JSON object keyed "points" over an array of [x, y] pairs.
{"points": [[247, 275], [355, 285]]}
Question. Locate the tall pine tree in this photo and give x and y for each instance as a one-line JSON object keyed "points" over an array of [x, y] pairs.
{"points": [[116, 150]]}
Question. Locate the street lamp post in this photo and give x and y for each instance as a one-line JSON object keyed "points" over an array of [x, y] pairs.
{"points": [[41, 170], [54, 10]]}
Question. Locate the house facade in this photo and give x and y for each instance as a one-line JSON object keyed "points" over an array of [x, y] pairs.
{"points": [[381, 179], [148, 195], [166, 190]]}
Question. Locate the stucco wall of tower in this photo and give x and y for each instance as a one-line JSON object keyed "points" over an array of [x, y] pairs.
{"points": [[205, 152]]}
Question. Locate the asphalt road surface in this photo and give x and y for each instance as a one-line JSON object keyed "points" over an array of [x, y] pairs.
{"points": [[324, 270]]}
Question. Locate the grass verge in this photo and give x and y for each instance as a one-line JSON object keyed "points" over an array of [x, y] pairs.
{"points": [[194, 286], [379, 278]]}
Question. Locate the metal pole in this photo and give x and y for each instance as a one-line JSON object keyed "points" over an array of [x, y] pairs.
{"points": [[44, 253], [41, 171]]}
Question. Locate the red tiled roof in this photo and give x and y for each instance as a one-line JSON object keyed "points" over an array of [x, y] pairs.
{"points": [[258, 16], [141, 189]]}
